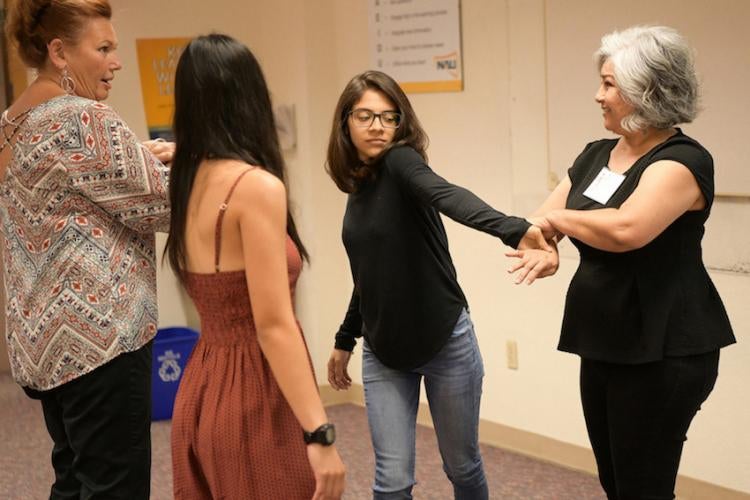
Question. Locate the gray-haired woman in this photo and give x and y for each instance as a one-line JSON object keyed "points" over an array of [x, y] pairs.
{"points": [[641, 310]]}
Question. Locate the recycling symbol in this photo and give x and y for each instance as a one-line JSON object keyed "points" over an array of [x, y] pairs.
{"points": [[170, 370]]}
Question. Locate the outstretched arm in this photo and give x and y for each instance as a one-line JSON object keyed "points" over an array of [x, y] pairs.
{"points": [[457, 202]]}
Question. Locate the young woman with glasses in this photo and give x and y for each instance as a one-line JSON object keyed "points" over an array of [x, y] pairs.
{"points": [[407, 303]]}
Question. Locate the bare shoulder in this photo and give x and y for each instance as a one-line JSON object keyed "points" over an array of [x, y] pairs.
{"points": [[257, 180], [261, 183], [261, 190], [667, 169]]}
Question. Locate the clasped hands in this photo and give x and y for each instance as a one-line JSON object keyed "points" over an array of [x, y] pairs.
{"points": [[536, 253], [161, 149]]}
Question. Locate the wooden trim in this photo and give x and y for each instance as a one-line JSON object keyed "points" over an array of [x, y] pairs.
{"points": [[541, 447], [695, 489], [735, 197], [332, 397]]}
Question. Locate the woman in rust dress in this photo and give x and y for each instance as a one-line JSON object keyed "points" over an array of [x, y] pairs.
{"points": [[248, 422]]}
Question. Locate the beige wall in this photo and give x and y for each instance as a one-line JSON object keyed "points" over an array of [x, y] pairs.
{"points": [[491, 138], [4, 361]]}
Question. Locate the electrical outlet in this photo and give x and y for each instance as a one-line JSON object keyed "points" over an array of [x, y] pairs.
{"points": [[511, 354]]}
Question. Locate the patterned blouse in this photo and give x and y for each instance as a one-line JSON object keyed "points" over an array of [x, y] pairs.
{"points": [[80, 202]]}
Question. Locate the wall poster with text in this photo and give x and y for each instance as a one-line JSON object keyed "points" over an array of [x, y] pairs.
{"points": [[157, 62], [418, 43]]}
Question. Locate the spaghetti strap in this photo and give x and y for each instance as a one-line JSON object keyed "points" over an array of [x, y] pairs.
{"points": [[220, 218]]}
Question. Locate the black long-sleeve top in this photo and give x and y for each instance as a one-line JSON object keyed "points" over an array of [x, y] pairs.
{"points": [[406, 298]]}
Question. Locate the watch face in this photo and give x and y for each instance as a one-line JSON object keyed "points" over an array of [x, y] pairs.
{"points": [[330, 435]]}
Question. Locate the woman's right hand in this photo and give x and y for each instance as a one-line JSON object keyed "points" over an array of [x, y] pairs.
{"points": [[338, 375], [533, 264], [329, 471], [534, 238], [161, 149]]}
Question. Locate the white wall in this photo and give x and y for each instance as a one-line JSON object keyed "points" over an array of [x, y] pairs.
{"points": [[491, 138]]}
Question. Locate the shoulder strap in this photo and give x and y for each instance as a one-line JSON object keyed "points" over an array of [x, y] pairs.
{"points": [[13, 124], [220, 219]]}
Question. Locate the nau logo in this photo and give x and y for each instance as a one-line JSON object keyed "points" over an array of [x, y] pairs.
{"points": [[447, 62]]}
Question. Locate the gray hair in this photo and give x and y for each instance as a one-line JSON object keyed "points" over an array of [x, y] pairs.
{"points": [[654, 71]]}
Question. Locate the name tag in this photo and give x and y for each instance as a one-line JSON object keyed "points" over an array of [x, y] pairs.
{"points": [[604, 186]]}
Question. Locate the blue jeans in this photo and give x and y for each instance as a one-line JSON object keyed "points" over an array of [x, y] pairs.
{"points": [[453, 381]]}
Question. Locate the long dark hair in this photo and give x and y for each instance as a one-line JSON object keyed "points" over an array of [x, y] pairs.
{"points": [[222, 110], [342, 162]]}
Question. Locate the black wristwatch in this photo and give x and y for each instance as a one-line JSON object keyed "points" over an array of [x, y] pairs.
{"points": [[325, 435]]}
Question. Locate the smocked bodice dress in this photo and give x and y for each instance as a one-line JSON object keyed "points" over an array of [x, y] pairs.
{"points": [[234, 435]]}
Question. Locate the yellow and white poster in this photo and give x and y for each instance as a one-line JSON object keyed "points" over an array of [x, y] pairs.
{"points": [[418, 43], [157, 62]]}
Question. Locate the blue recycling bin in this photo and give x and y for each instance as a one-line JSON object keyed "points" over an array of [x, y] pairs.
{"points": [[171, 350]]}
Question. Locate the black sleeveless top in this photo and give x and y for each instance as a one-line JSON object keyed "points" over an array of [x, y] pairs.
{"points": [[655, 301]]}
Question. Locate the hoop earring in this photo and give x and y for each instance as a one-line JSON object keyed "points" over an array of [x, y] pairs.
{"points": [[67, 83]]}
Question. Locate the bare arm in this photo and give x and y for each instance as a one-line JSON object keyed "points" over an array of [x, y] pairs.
{"points": [[555, 201], [262, 227], [667, 189], [263, 231]]}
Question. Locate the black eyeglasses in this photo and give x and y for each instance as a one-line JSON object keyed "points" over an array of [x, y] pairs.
{"points": [[364, 118]]}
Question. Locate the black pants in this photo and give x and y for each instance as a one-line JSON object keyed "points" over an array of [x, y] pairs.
{"points": [[100, 424], [637, 417]]}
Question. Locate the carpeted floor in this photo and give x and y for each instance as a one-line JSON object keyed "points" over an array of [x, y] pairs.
{"points": [[26, 474]]}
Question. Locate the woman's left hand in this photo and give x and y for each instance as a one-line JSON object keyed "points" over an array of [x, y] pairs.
{"points": [[161, 149], [338, 373], [533, 264]]}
